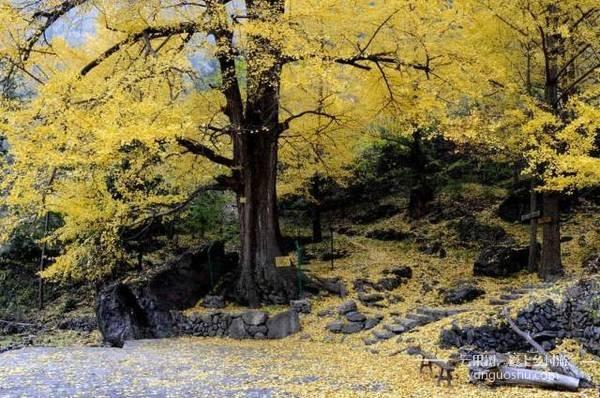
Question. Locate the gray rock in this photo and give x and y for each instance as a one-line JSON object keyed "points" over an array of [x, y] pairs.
{"points": [[236, 330], [347, 306], [383, 334], [366, 298], [402, 271], [370, 323], [254, 318], [214, 302], [283, 325], [335, 326], [352, 327], [334, 285], [395, 328], [408, 323], [501, 260], [301, 306], [370, 340], [325, 313], [462, 294], [355, 316], [388, 283], [253, 330]]}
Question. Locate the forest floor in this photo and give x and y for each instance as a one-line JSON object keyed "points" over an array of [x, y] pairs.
{"points": [[316, 362]]}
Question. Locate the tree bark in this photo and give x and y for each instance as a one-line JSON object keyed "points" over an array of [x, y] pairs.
{"points": [[255, 153], [259, 280], [551, 265], [551, 257], [532, 263]]}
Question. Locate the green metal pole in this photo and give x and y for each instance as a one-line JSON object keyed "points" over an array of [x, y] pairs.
{"points": [[299, 259]]}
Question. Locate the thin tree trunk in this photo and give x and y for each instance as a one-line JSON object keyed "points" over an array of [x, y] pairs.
{"points": [[315, 215], [315, 207], [42, 264], [551, 265]]}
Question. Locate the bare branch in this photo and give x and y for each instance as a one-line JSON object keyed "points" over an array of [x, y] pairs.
{"points": [[149, 33], [198, 149]]}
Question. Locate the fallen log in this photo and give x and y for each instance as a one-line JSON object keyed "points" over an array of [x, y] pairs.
{"points": [[506, 375], [559, 364]]}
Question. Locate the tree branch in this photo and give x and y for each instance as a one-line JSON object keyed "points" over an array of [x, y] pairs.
{"points": [[286, 123], [580, 79], [198, 149], [151, 32]]}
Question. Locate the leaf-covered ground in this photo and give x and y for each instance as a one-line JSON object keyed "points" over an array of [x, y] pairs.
{"points": [[225, 368], [315, 362]]}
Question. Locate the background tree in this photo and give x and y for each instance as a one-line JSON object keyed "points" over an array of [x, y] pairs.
{"points": [[540, 59]]}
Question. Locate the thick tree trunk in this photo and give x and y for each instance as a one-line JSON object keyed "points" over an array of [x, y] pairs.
{"points": [[551, 261], [259, 281], [551, 265], [532, 263]]}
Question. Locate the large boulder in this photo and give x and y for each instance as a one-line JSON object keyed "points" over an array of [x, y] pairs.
{"points": [[501, 260], [145, 308], [237, 329], [119, 315], [254, 318], [283, 325], [462, 294]]}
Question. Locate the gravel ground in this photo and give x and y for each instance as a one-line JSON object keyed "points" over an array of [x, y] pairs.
{"points": [[165, 368]]}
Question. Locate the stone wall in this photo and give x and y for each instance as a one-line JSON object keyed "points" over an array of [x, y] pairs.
{"points": [[245, 325], [577, 316]]}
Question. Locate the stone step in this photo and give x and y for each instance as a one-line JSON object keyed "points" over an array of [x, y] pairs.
{"points": [[439, 313], [510, 297], [421, 319], [522, 291], [383, 334], [395, 328], [408, 323]]}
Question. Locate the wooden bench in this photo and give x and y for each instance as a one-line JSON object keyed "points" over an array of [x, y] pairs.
{"points": [[446, 369]]}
